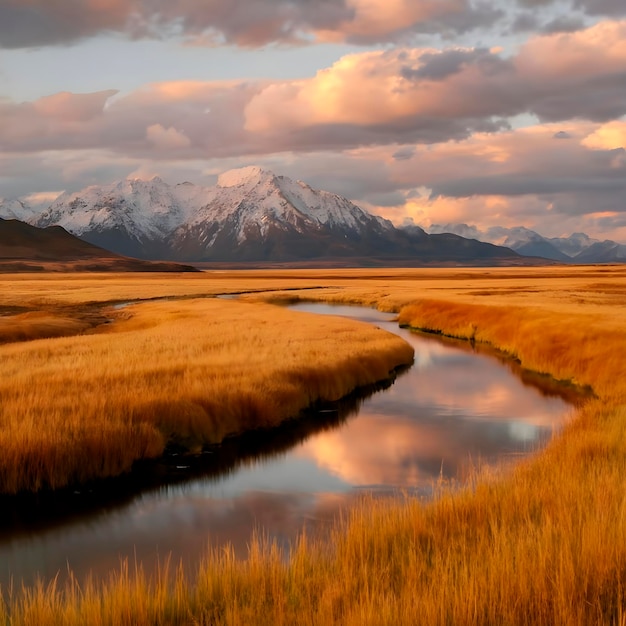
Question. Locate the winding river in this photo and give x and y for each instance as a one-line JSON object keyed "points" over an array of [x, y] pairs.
{"points": [[452, 410]]}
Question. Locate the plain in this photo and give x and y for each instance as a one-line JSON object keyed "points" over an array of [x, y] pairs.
{"points": [[544, 543]]}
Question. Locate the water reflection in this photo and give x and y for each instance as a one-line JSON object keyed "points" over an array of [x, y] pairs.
{"points": [[453, 409]]}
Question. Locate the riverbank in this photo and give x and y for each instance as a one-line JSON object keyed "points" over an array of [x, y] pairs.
{"points": [[543, 544], [172, 373]]}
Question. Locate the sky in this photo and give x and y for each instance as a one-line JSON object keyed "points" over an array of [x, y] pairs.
{"points": [[507, 113]]}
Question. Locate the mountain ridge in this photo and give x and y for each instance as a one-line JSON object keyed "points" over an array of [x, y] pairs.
{"points": [[264, 217], [577, 248], [250, 215]]}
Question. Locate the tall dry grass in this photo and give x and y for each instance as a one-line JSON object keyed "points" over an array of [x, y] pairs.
{"points": [[189, 372], [38, 325], [542, 544], [575, 348]]}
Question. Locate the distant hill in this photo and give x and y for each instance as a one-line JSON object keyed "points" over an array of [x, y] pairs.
{"points": [[27, 248], [577, 248]]}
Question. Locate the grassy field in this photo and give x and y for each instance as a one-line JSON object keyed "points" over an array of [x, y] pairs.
{"points": [[188, 372], [544, 543]]}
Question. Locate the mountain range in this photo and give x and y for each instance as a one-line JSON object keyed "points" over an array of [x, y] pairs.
{"points": [[577, 248], [253, 215], [250, 215]]}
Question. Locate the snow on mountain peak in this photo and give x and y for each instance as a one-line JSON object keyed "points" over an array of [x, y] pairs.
{"points": [[16, 209], [243, 175]]}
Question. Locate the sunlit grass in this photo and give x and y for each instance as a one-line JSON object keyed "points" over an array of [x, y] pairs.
{"points": [[189, 372], [543, 543]]}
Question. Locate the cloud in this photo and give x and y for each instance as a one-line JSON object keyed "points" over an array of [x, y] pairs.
{"points": [[523, 162], [59, 121], [426, 95], [31, 23], [248, 23], [564, 24], [525, 22], [404, 153], [35, 23], [380, 97], [611, 136], [166, 138], [441, 65], [615, 8]]}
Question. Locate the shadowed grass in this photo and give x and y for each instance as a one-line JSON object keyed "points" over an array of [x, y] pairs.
{"points": [[39, 325]]}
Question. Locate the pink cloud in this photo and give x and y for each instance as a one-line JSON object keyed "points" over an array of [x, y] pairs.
{"points": [[599, 49], [71, 107], [376, 20], [557, 77], [166, 138], [609, 136], [410, 95]]}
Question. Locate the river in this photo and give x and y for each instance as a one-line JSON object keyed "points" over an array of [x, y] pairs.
{"points": [[454, 409]]}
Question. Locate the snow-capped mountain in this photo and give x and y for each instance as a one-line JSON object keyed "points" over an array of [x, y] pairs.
{"points": [[249, 215], [15, 209], [574, 244], [608, 251], [267, 216], [132, 217], [577, 248]]}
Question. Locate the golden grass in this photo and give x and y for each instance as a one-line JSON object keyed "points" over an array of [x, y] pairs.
{"points": [[188, 372], [38, 325], [575, 349], [542, 544]]}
